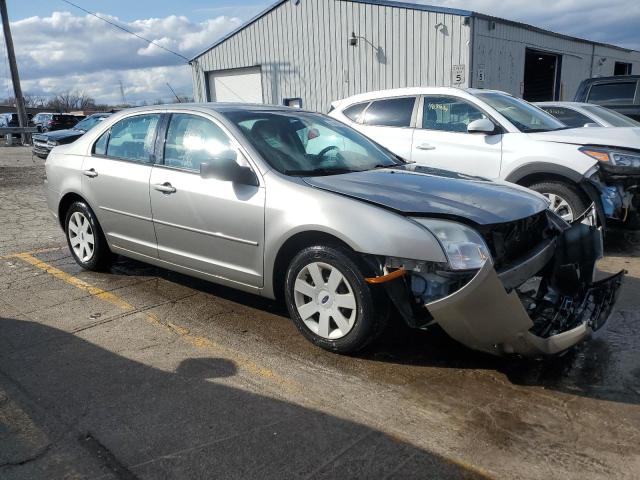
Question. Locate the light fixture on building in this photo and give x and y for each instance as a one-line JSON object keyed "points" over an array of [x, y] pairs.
{"points": [[353, 41]]}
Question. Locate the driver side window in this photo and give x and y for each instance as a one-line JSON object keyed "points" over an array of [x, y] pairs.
{"points": [[448, 114], [192, 140]]}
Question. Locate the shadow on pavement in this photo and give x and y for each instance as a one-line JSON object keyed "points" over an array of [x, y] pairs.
{"points": [[604, 367], [144, 422]]}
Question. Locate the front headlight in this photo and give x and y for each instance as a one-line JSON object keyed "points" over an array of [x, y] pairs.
{"points": [[53, 143], [464, 247], [615, 157]]}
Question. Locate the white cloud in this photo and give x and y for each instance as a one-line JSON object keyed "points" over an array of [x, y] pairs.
{"points": [[64, 51]]}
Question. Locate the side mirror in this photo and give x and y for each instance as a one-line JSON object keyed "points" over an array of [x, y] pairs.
{"points": [[482, 125], [223, 166]]}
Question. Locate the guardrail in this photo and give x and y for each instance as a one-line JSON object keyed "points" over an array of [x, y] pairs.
{"points": [[24, 132], [19, 130]]}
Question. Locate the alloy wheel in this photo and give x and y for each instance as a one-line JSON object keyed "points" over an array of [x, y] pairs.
{"points": [[560, 206], [325, 301], [81, 236]]}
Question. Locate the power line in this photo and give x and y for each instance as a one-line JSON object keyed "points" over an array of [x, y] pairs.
{"points": [[151, 42]]}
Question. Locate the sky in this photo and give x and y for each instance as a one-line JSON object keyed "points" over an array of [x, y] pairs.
{"points": [[61, 48]]}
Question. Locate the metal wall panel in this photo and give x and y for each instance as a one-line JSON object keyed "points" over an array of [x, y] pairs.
{"points": [[501, 50], [304, 50]]}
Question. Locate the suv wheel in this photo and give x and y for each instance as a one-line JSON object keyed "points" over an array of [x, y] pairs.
{"points": [[85, 238], [331, 303], [565, 199]]}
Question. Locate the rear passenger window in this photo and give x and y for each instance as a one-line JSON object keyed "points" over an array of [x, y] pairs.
{"points": [[192, 140], [392, 112], [449, 114], [133, 138], [616, 93], [354, 111], [569, 117]]}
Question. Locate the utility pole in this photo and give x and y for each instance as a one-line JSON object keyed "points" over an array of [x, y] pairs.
{"points": [[23, 120]]}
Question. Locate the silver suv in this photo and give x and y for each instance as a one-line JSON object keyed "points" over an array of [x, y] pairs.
{"points": [[293, 204]]}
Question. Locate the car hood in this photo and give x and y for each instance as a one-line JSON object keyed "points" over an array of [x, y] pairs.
{"points": [[422, 191], [62, 134], [611, 137]]}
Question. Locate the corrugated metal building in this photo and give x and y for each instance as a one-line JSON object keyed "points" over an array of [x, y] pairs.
{"points": [[324, 50]]}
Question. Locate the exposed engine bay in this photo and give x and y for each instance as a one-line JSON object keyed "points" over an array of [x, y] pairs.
{"points": [[537, 297]]}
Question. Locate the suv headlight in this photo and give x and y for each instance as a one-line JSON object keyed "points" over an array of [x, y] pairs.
{"points": [[614, 156], [464, 247], [53, 143]]}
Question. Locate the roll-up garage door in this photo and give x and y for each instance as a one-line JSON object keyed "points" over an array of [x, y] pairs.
{"points": [[238, 85]]}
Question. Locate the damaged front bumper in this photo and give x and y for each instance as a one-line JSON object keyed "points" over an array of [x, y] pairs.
{"points": [[542, 306], [617, 192]]}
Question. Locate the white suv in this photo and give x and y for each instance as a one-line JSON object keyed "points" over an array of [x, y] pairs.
{"points": [[494, 135]]}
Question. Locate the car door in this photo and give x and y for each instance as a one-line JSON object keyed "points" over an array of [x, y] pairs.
{"points": [[389, 122], [208, 225], [116, 183], [442, 141]]}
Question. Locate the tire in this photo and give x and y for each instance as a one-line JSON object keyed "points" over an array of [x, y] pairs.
{"points": [[567, 200], [81, 227], [344, 324]]}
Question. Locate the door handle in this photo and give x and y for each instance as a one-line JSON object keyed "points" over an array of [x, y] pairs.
{"points": [[91, 173], [165, 187], [425, 146]]}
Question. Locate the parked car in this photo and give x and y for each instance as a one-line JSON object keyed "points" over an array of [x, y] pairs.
{"points": [[44, 142], [576, 115], [231, 193], [47, 122], [497, 136], [619, 93]]}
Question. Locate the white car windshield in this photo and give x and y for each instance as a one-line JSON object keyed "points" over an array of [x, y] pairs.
{"points": [[525, 117], [610, 116], [308, 144]]}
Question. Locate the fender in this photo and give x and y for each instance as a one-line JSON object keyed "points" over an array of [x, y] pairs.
{"points": [[541, 168]]}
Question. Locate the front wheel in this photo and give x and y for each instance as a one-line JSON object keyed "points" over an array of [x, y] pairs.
{"points": [[566, 200], [331, 303]]}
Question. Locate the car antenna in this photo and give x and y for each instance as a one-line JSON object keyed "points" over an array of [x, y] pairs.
{"points": [[174, 93]]}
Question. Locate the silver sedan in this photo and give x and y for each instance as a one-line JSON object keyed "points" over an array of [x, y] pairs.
{"points": [[296, 205]]}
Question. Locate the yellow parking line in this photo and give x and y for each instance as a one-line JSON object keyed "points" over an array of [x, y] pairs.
{"points": [[33, 252], [74, 281], [197, 341]]}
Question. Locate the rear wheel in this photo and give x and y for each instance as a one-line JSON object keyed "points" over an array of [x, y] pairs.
{"points": [[566, 200], [330, 302], [85, 238]]}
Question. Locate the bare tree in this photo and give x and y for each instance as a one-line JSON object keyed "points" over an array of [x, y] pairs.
{"points": [[72, 100]]}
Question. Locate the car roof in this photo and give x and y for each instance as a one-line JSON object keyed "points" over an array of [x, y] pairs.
{"points": [[409, 91], [563, 104], [219, 107], [617, 78]]}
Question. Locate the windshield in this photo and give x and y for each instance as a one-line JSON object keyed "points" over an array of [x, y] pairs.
{"points": [[525, 117], [88, 123], [610, 116], [308, 144]]}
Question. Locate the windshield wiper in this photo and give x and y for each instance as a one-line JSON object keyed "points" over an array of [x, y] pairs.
{"points": [[319, 171]]}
